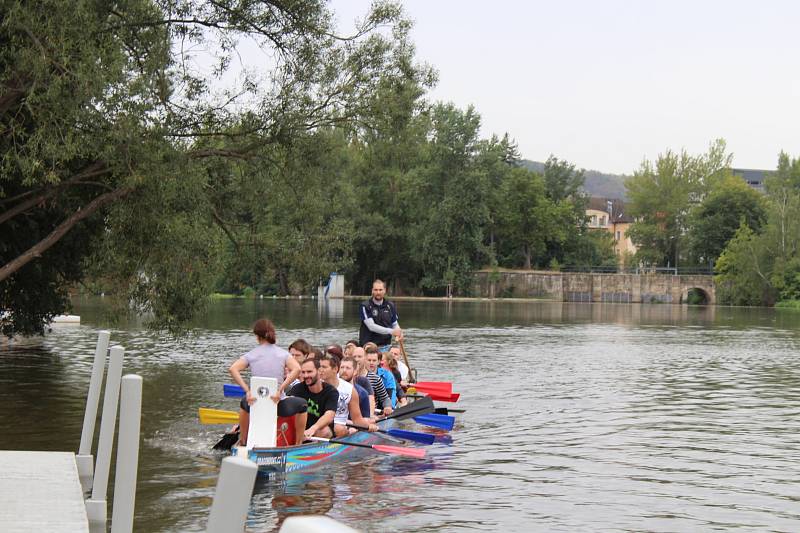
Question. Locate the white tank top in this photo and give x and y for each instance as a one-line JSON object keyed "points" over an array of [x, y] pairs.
{"points": [[343, 409]]}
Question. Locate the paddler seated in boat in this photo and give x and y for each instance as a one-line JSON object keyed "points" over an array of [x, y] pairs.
{"points": [[349, 346], [366, 396], [374, 366], [299, 349], [383, 402], [389, 363], [267, 360], [315, 353], [401, 366], [334, 350], [379, 319], [348, 407], [322, 400]]}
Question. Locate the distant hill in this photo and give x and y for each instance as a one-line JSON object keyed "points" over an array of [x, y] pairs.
{"points": [[610, 186]]}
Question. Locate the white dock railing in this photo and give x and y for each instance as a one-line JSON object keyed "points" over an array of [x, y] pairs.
{"points": [[25, 477], [232, 497], [96, 505], [84, 459], [130, 415], [314, 524]]}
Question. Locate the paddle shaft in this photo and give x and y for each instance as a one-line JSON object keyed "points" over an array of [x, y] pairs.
{"points": [[420, 407], [405, 357], [424, 438], [447, 410], [345, 443], [365, 428], [396, 450]]}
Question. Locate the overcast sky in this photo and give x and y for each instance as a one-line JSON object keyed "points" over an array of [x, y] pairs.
{"points": [[604, 84]]}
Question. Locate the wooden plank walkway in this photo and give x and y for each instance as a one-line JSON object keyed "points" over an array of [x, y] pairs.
{"points": [[40, 491]]}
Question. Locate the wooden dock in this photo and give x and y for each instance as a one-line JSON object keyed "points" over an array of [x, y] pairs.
{"points": [[41, 491]]}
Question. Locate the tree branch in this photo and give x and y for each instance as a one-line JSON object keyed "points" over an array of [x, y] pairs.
{"points": [[42, 246], [95, 169], [221, 224]]}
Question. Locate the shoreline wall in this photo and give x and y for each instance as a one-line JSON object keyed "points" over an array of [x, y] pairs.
{"points": [[591, 287]]}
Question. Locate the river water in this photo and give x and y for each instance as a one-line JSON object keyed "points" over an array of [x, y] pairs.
{"points": [[579, 417]]}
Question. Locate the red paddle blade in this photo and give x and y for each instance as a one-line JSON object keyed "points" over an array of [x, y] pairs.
{"points": [[450, 397], [439, 387], [417, 453]]}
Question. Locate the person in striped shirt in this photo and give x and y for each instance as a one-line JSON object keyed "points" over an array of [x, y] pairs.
{"points": [[373, 366], [383, 401]]}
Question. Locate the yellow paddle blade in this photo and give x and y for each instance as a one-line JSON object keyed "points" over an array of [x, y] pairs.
{"points": [[217, 416]]}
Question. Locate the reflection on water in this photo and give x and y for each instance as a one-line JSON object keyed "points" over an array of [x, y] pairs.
{"points": [[579, 416]]}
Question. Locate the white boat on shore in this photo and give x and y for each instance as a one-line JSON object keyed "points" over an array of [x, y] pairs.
{"points": [[66, 319]]}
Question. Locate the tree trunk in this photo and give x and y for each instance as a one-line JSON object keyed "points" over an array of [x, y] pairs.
{"points": [[283, 283], [526, 251], [42, 246]]}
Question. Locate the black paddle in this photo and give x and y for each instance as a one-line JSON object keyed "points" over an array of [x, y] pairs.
{"points": [[423, 406], [228, 440], [447, 411]]}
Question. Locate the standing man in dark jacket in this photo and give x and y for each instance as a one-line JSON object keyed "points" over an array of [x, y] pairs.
{"points": [[379, 318]]}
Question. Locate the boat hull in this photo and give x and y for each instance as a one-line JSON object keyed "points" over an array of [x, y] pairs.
{"points": [[274, 462]]}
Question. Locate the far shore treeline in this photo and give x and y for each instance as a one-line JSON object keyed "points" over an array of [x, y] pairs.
{"points": [[131, 164]]}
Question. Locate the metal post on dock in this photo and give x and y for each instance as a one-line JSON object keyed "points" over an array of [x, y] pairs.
{"points": [[232, 497], [84, 459], [96, 505], [130, 416]]}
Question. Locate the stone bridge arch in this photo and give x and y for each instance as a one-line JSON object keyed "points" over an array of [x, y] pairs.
{"points": [[703, 284]]}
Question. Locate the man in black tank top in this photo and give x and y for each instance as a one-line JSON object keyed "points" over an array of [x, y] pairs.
{"points": [[378, 318]]}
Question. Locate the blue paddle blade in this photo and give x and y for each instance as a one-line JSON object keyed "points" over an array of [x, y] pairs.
{"points": [[424, 438], [437, 421], [231, 390]]}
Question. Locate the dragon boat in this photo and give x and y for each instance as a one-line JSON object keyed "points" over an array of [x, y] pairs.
{"points": [[270, 437], [280, 460]]}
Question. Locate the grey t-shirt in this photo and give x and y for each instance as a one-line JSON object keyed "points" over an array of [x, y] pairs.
{"points": [[267, 361]]}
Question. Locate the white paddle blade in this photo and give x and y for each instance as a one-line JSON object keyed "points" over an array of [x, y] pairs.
{"points": [[263, 414]]}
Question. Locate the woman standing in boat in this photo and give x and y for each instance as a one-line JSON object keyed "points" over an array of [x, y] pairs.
{"points": [[268, 360]]}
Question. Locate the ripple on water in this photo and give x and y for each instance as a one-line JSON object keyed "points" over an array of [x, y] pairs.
{"points": [[579, 418]]}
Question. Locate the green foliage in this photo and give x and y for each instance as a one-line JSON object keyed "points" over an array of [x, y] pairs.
{"points": [[525, 221], [661, 196], [743, 269], [118, 145], [591, 248], [758, 268], [789, 304], [448, 237], [729, 204]]}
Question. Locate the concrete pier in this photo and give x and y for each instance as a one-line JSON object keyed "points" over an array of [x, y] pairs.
{"points": [[41, 491]]}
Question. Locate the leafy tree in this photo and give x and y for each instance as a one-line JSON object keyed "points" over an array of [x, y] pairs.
{"points": [[588, 248], [730, 203], [529, 219], [103, 107], [448, 240], [562, 182], [743, 271], [496, 158], [578, 246], [389, 154], [661, 196], [760, 268]]}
